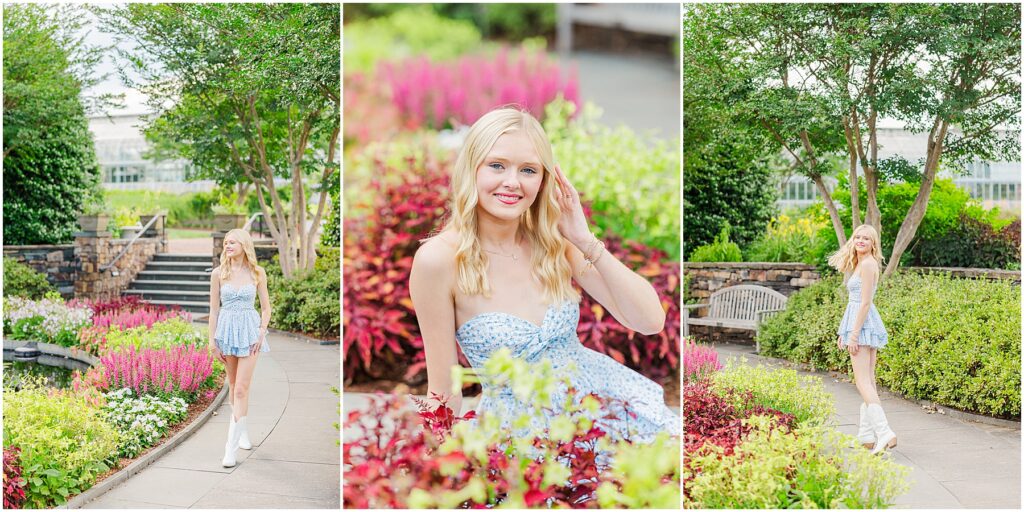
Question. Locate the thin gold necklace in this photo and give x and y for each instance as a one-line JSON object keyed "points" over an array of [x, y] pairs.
{"points": [[514, 256]]}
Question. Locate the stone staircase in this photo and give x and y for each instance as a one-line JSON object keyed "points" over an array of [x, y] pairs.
{"points": [[175, 279]]}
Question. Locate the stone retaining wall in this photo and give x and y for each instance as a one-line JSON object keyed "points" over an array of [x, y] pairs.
{"points": [[786, 278], [703, 279], [57, 262], [96, 250]]}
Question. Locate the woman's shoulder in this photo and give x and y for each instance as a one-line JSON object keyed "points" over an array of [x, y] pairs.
{"points": [[437, 253], [215, 273], [869, 264]]}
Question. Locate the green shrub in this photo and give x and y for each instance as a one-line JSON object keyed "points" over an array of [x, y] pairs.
{"points": [[781, 389], [972, 243], [406, 33], [953, 341], [308, 302], [789, 239], [810, 467], [21, 280], [331, 234], [631, 180], [169, 333], [955, 230], [65, 443], [728, 178], [719, 251], [50, 167]]}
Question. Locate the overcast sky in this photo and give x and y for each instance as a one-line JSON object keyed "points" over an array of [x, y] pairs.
{"points": [[134, 100]]}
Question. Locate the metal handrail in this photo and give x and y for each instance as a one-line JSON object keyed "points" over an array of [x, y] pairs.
{"points": [[252, 218], [104, 268]]}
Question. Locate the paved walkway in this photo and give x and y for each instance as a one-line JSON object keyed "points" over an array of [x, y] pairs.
{"points": [[295, 460], [954, 463], [639, 91]]}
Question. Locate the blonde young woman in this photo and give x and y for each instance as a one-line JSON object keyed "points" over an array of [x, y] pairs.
{"points": [[500, 274], [237, 332], [862, 333]]}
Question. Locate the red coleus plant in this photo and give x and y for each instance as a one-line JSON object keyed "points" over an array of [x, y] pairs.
{"points": [[710, 419], [404, 204], [392, 458], [14, 483]]}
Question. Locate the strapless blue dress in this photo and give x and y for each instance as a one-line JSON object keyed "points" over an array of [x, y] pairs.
{"points": [[238, 323], [556, 340], [872, 333]]}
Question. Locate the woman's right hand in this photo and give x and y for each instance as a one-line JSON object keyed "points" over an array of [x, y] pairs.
{"points": [[216, 352]]}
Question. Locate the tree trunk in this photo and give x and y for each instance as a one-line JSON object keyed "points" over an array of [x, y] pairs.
{"points": [[917, 210], [851, 146], [830, 205]]}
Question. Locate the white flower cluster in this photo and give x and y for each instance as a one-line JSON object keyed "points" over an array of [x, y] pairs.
{"points": [[142, 420], [56, 316]]}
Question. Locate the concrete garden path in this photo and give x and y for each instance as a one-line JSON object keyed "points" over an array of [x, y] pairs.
{"points": [[295, 460], [954, 463]]}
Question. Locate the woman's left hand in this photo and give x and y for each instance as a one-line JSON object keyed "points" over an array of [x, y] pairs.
{"points": [[255, 347], [572, 224]]}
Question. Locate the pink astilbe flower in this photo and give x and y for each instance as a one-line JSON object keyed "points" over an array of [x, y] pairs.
{"points": [[128, 312], [435, 94], [170, 371], [699, 361]]}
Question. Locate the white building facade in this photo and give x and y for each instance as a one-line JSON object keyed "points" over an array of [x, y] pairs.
{"points": [[120, 148], [994, 184]]}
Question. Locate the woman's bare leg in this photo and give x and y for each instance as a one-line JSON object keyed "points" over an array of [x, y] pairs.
{"points": [[863, 377], [231, 369], [240, 389]]}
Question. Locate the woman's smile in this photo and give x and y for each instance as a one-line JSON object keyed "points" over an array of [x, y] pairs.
{"points": [[509, 199]]}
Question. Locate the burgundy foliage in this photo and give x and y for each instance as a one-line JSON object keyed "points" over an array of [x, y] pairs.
{"points": [[407, 203], [14, 483], [395, 450], [708, 418]]}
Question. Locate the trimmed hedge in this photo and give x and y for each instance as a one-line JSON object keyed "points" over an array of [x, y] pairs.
{"points": [[952, 341]]}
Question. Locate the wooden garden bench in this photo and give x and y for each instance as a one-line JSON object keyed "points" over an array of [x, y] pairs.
{"points": [[742, 306]]}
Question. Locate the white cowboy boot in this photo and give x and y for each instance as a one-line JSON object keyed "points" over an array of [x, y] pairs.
{"points": [[885, 437], [232, 445], [865, 435], [243, 434]]}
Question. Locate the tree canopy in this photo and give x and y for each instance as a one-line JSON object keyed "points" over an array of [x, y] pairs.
{"points": [[816, 79], [248, 93], [50, 166]]}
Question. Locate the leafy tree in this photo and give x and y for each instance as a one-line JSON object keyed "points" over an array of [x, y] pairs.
{"points": [[727, 169], [817, 77], [50, 166], [249, 93]]}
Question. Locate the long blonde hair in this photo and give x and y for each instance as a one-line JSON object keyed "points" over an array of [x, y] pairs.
{"points": [[539, 223], [845, 259], [248, 256]]}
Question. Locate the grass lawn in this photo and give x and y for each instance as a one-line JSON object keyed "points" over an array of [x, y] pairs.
{"points": [[179, 233]]}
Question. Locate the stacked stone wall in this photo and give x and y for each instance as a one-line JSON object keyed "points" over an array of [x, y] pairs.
{"points": [[57, 262], [703, 279], [96, 250]]}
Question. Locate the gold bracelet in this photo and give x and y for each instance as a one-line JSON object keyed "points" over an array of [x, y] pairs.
{"points": [[590, 259]]}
